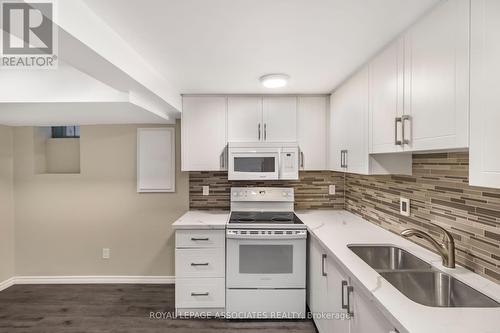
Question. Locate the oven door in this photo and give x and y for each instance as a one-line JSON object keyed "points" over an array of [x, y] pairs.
{"points": [[266, 263], [253, 164]]}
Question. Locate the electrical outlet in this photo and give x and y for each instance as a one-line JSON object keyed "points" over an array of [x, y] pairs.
{"points": [[331, 189], [206, 190], [404, 206], [106, 253]]}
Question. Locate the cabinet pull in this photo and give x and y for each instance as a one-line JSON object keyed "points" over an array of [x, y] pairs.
{"points": [[323, 260], [343, 158], [265, 132], [396, 121], [259, 131], [403, 121], [199, 294], [302, 159], [200, 264], [199, 239], [345, 292]]}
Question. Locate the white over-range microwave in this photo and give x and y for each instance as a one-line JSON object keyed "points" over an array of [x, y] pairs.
{"points": [[263, 161]]}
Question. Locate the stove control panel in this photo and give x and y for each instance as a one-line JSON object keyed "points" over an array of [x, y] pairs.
{"points": [[266, 234], [279, 194]]}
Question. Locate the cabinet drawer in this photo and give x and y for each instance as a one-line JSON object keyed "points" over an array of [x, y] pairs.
{"points": [[200, 293], [191, 263], [200, 238]]}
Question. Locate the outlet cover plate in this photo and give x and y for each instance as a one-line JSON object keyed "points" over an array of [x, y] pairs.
{"points": [[404, 206]]}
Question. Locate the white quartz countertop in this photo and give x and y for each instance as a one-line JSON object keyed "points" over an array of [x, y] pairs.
{"points": [[337, 229], [196, 219]]}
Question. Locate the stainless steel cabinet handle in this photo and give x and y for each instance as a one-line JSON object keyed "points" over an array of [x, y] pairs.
{"points": [[323, 260], [259, 131], [396, 121], [199, 239], [346, 303], [200, 294], [403, 121], [200, 264], [265, 132], [302, 159], [343, 158]]}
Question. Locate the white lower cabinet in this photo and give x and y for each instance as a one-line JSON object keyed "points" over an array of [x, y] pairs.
{"points": [[336, 304], [200, 282]]}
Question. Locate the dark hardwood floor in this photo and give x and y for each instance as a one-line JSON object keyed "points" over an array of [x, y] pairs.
{"points": [[113, 308]]}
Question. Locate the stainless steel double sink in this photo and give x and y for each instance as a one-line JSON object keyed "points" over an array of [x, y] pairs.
{"points": [[418, 280]]}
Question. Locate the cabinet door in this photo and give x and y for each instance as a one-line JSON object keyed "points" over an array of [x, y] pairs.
{"points": [[366, 316], [337, 132], [386, 99], [280, 119], [485, 94], [437, 79], [350, 124], [312, 132], [335, 277], [317, 297], [244, 119], [203, 133]]}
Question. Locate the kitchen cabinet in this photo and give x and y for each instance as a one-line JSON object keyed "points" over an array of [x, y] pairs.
{"points": [[244, 119], [203, 133], [331, 291], [485, 95], [279, 118], [312, 127], [366, 316], [419, 85], [349, 134], [386, 99], [199, 271], [437, 79], [156, 159]]}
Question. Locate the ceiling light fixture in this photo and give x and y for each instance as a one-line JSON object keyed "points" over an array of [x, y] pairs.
{"points": [[274, 80]]}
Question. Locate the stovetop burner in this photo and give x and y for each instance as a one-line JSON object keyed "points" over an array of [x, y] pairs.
{"points": [[264, 218]]}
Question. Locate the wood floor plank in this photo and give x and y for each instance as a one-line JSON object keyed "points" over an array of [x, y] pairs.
{"points": [[114, 309]]}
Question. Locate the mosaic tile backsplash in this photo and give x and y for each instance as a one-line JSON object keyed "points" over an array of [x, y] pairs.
{"points": [[439, 194], [438, 190], [311, 190]]}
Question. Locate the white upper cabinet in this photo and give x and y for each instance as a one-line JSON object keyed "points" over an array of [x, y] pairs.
{"points": [[244, 119], [386, 99], [203, 133], [349, 134], [485, 94], [312, 126], [437, 79], [280, 118]]}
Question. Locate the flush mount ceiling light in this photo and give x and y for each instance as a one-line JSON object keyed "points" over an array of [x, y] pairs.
{"points": [[274, 80]]}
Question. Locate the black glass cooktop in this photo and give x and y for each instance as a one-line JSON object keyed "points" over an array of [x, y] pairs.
{"points": [[264, 218]]}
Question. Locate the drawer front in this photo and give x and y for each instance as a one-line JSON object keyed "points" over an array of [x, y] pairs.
{"points": [[191, 263], [200, 238], [200, 293]]}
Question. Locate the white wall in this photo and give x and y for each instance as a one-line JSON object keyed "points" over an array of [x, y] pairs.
{"points": [[64, 220]]}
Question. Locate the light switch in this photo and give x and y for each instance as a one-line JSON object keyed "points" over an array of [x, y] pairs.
{"points": [[331, 189], [404, 207], [106, 253], [206, 190]]}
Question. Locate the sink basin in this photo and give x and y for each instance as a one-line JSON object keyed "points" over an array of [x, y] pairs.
{"points": [[438, 289], [380, 257]]}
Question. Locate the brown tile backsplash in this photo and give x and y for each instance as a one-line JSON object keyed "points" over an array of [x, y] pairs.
{"points": [[439, 194], [438, 190], [311, 190]]}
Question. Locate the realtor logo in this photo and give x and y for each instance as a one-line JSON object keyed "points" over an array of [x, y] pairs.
{"points": [[29, 35]]}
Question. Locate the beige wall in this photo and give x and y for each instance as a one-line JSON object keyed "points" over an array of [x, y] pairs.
{"points": [[64, 220], [6, 204]]}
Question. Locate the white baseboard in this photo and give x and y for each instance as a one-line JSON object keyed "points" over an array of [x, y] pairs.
{"points": [[7, 283], [93, 279]]}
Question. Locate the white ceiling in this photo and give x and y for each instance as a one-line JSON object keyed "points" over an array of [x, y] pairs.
{"points": [[224, 46]]}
